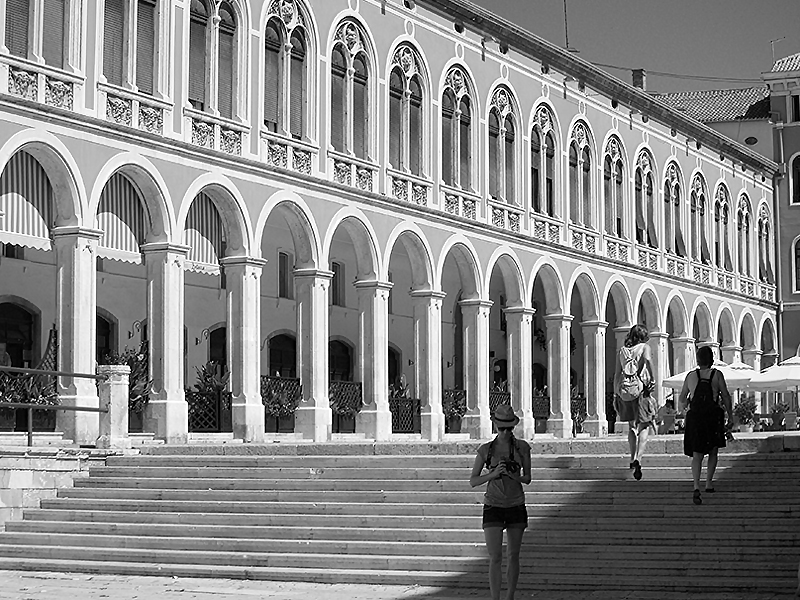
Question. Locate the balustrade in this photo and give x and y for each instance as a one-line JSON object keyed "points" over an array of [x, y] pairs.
{"points": [[409, 188], [215, 133], [677, 266], [134, 110], [647, 258], [39, 83], [618, 249], [352, 171], [585, 240], [545, 228], [458, 202], [506, 216]]}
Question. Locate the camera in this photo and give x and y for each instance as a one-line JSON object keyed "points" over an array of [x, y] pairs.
{"points": [[512, 466]]}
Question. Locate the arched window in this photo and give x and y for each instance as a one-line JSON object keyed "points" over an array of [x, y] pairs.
{"points": [[502, 147], [743, 235], [226, 61], [796, 258], [645, 204], [543, 152], [456, 130], [580, 186], [722, 250], [39, 30], [673, 228], [612, 189], [795, 179], [198, 23], [765, 272], [338, 99], [699, 221], [286, 71], [406, 114], [350, 91]]}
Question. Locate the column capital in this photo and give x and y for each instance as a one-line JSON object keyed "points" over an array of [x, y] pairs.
{"points": [[683, 340], [598, 324], [658, 335], [558, 319], [76, 231], [164, 247], [428, 294], [312, 274], [707, 343], [752, 352], [731, 348], [242, 261], [519, 310], [475, 302], [372, 285]]}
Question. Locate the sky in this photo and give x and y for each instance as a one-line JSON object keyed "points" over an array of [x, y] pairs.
{"points": [[727, 39]]}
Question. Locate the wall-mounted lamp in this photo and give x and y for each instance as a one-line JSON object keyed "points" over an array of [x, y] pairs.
{"points": [[203, 336], [136, 326], [673, 132], [614, 103], [645, 118], [503, 47], [545, 69], [410, 363], [458, 26], [264, 343]]}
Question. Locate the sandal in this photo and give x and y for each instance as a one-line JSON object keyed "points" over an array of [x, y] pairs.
{"points": [[710, 490], [637, 470], [696, 498]]}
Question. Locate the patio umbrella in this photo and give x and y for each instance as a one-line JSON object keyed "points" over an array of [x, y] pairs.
{"points": [[783, 377], [737, 375]]}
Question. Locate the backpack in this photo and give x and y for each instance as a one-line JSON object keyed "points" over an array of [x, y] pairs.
{"points": [[631, 386], [703, 395]]}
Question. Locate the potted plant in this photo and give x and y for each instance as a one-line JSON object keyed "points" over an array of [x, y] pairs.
{"points": [[745, 412], [778, 414], [454, 407], [139, 382], [210, 393]]}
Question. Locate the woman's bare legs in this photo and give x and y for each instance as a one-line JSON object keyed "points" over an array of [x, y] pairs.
{"points": [[632, 439], [712, 466], [512, 570], [494, 544], [697, 467], [643, 431]]}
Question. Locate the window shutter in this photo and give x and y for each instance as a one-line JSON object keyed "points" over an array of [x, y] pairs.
{"points": [[536, 159], [465, 139], [283, 269], [225, 74], [360, 110], [197, 64], [510, 191], [17, 19], [573, 184], [620, 208], [338, 70], [297, 100], [415, 129], [447, 138], [113, 40], [494, 166], [587, 188], [272, 79], [145, 46], [680, 244], [395, 122], [550, 153], [53, 33], [607, 198], [796, 180]]}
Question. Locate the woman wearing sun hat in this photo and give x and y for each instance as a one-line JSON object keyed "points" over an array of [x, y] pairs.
{"points": [[505, 465]]}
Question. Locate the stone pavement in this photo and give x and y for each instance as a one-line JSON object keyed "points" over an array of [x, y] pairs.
{"points": [[21, 585]]}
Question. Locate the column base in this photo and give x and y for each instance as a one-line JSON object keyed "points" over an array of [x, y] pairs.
{"points": [[477, 425], [596, 427], [432, 425], [559, 427], [248, 420], [81, 427], [375, 423], [313, 423], [168, 418]]}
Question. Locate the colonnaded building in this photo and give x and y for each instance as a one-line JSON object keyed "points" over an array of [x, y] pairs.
{"points": [[339, 196]]}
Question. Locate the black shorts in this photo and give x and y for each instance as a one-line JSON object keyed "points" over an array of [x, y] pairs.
{"points": [[514, 517]]}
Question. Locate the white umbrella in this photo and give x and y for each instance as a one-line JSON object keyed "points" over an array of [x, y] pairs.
{"points": [[782, 377], [737, 375]]}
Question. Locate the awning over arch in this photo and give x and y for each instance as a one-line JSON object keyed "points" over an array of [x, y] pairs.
{"points": [[122, 218], [26, 203], [204, 234]]}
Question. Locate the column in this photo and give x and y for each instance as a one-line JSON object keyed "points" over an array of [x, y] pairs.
{"points": [[76, 310], [243, 274], [520, 365], [594, 337], [752, 357], [167, 414], [731, 354], [476, 367], [683, 350], [313, 418], [428, 361], [658, 347], [375, 418], [620, 333], [212, 66], [560, 421]]}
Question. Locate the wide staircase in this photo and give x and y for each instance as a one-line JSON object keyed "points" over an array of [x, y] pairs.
{"points": [[405, 514]]}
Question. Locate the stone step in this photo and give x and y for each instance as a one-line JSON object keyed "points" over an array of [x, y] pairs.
{"points": [[704, 583], [711, 538]]}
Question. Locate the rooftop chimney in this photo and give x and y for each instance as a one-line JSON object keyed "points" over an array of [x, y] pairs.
{"points": [[639, 78]]}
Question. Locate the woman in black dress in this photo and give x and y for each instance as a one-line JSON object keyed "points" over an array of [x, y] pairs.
{"points": [[705, 420]]}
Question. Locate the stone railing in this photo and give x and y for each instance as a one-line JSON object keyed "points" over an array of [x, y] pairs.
{"points": [[505, 216], [545, 228], [767, 292], [701, 273], [39, 83], [407, 187], [725, 279], [585, 240], [459, 202], [677, 266], [288, 153], [352, 171], [618, 249], [134, 110], [647, 258], [748, 286], [215, 133]]}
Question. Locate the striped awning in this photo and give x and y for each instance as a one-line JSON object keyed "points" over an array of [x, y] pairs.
{"points": [[204, 234], [26, 203], [121, 217]]}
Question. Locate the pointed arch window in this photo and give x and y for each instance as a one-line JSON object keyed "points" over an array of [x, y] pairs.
{"points": [[543, 152], [580, 187], [673, 222], [645, 203], [613, 189], [795, 180], [350, 68], [743, 236], [796, 259], [765, 272], [699, 221], [502, 147], [406, 114], [456, 130], [287, 73], [41, 31], [722, 250]]}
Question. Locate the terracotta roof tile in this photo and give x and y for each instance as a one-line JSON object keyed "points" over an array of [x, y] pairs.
{"points": [[712, 106], [787, 63]]}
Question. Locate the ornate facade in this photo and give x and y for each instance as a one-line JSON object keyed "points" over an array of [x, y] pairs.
{"points": [[364, 192]]}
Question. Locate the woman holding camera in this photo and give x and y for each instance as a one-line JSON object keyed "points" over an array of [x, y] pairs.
{"points": [[505, 465]]}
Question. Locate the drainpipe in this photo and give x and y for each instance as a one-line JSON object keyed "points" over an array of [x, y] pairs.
{"points": [[779, 258]]}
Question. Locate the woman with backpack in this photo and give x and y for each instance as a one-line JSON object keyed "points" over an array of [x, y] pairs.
{"points": [[633, 384], [705, 419], [507, 464]]}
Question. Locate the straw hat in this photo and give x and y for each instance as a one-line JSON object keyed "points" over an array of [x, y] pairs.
{"points": [[504, 416]]}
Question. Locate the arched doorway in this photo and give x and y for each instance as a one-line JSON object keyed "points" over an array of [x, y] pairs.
{"points": [[104, 336], [281, 378], [17, 333], [340, 376]]}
